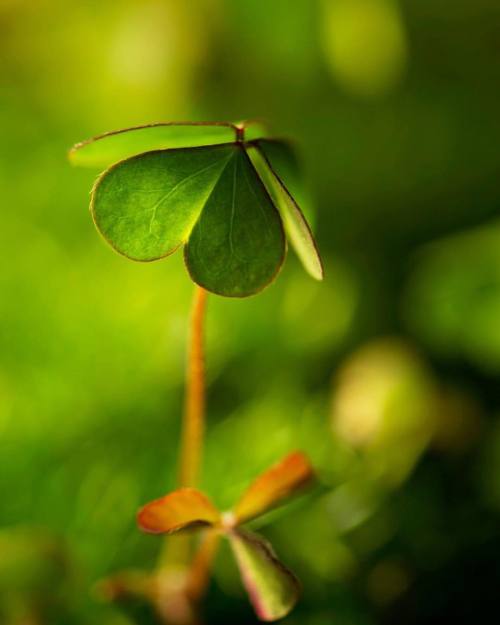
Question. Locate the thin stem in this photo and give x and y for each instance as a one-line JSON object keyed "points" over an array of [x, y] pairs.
{"points": [[240, 132], [199, 573], [194, 411], [177, 550]]}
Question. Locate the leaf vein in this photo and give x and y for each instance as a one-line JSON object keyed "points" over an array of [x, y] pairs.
{"points": [[233, 205], [154, 208]]}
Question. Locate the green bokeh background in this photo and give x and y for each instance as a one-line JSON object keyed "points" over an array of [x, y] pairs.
{"points": [[386, 374]]}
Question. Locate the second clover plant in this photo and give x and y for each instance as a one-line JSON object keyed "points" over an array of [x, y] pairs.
{"points": [[227, 194]]}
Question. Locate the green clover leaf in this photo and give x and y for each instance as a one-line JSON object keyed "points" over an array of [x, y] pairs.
{"points": [[207, 187]]}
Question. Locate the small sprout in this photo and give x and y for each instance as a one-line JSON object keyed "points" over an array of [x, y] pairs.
{"points": [[273, 589], [218, 189]]}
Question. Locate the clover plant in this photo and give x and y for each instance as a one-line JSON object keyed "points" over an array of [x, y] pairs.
{"points": [[226, 193]]}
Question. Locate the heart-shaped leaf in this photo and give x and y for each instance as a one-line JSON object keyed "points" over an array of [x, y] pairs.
{"points": [[147, 205], [273, 486], [106, 149], [237, 246], [296, 226], [273, 589], [182, 509]]}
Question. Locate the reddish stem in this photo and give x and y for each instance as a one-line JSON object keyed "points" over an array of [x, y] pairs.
{"points": [[175, 604], [194, 411]]}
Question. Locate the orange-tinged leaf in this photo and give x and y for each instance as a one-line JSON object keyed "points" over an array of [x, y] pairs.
{"points": [[274, 485], [183, 508], [272, 589]]}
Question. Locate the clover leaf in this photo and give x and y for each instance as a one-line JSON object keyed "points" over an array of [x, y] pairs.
{"points": [[272, 589], [214, 188]]}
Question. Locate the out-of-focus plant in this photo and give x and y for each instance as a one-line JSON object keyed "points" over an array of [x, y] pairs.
{"points": [[388, 408], [221, 190], [35, 570], [383, 406], [453, 296], [365, 44], [271, 587]]}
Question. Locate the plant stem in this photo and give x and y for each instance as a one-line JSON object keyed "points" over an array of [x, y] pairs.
{"points": [[194, 410], [177, 550], [199, 573]]}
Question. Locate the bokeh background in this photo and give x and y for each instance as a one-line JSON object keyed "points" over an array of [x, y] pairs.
{"points": [[387, 373]]}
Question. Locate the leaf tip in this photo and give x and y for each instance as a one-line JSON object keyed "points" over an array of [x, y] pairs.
{"points": [[273, 487], [317, 271], [182, 509], [272, 588]]}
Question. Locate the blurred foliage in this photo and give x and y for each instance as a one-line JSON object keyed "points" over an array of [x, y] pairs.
{"points": [[453, 298], [365, 44], [395, 108], [384, 407]]}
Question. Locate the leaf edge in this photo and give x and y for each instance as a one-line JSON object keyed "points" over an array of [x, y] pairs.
{"points": [[103, 174], [256, 144], [283, 237]]}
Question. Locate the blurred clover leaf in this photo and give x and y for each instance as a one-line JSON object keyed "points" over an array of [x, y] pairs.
{"points": [[273, 589], [221, 190]]}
